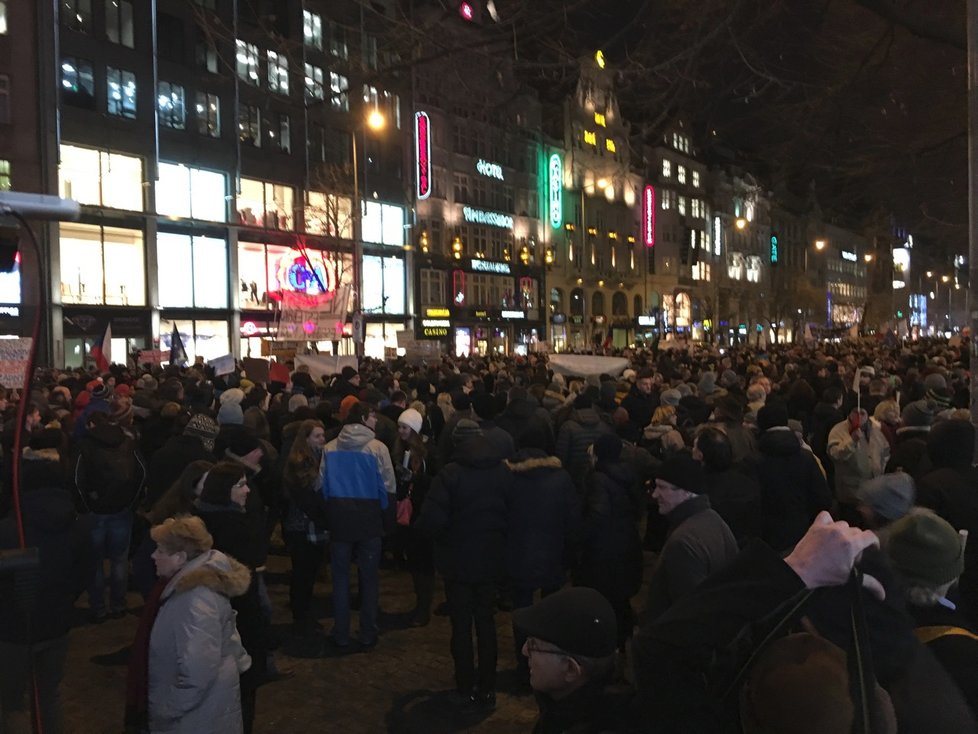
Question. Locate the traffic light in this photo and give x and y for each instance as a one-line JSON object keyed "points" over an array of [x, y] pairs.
{"points": [[775, 249], [899, 313]]}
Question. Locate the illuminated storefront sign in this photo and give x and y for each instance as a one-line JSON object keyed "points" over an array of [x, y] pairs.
{"points": [[513, 315], [292, 273], [487, 266], [590, 137], [717, 236], [435, 328], [599, 119], [495, 219], [646, 320], [422, 147], [648, 216], [609, 144], [556, 186], [850, 256], [492, 170], [437, 313], [481, 314]]}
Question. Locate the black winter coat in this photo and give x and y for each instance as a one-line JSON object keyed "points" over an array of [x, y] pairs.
{"points": [[528, 424], [640, 408], [465, 512], [909, 453], [582, 429], [544, 514], [957, 653], [109, 471], [793, 489], [168, 463], [736, 497]]}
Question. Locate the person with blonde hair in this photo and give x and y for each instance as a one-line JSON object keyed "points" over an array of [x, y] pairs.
{"points": [[187, 655]]}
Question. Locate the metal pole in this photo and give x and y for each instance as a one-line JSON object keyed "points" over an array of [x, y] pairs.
{"points": [[973, 193], [357, 246]]}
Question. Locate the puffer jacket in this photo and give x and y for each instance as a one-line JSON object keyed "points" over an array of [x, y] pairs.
{"points": [[544, 515], [582, 429], [856, 461], [195, 653]]}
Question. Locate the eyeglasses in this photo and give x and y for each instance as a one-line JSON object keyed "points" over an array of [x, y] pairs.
{"points": [[533, 646]]}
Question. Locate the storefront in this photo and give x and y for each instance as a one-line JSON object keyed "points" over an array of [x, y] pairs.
{"points": [[558, 331], [83, 326]]}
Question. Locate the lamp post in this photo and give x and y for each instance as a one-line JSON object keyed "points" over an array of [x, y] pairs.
{"points": [[375, 121]]}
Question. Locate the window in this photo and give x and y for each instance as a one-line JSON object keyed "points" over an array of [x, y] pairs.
{"points": [[3, 17], [191, 192], [337, 41], [76, 15], [118, 22], [681, 206], [314, 82], [249, 125], [205, 258], [369, 51], [433, 284], [206, 339], [701, 271], [696, 179], [312, 29], [681, 174], [278, 73], [246, 61], [265, 271], [4, 99], [330, 215], [339, 87], [386, 278], [172, 108], [382, 224], [392, 103], [205, 55], [102, 265], [264, 204], [666, 168], [280, 135], [4, 175], [121, 87], [100, 178], [170, 37], [208, 107], [77, 82]]}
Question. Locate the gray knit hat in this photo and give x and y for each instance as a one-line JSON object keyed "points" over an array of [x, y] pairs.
{"points": [[918, 413], [889, 495], [926, 549]]}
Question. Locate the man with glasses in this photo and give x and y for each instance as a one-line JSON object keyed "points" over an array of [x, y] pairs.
{"points": [[572, 638]]}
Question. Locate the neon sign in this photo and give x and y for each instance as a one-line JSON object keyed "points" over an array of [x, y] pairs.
{"points": [[422, 147], [293, 273], [850, 256], [610, 145], [466, 11], [590, 137], [495, 219], [556, 185], [717, 236], [492, 170], [648, 216], [485, 266], [599, 119]]}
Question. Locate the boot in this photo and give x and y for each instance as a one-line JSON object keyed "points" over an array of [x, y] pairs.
{"points": [[424, 590]]}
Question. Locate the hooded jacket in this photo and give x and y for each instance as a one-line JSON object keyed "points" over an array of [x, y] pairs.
{"points": [[358, 483], [195, 653], [109, 472]]}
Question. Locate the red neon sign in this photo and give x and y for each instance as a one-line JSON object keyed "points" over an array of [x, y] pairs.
{"points": [[648, 216], [466, 11], [422, 147]]}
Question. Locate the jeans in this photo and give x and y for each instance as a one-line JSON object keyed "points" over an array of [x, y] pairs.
{"points": [[367, 556], [110, 536], [16, 699], [468, 603]]}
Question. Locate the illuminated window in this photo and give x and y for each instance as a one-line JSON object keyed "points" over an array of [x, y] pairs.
{"points": [[208, 108], [386, 278], [246, 61], [3, 17], [701, 271], [207, 339], [696, 179], [314, 82], [337, 40], [609, 144], [4, 175], [599, 119], [249, 125], [100, 178], [77, 82], [681, 174], [666, 168], [204, 258], [118, 22], [205, 55], [102, 265], [280, 134], [330, 215], [681, 206], [193, 193], [339, 87], [278, 73], [264, 204], [121, 88], [383, 224], [392, 103], [171, 105], [312, 29], [76, 15]]}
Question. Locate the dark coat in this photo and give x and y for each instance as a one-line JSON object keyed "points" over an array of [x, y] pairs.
{"points": [[824, 417], [169, 461], [465, 512], [909, 452], [793, 488], [611, 549], [528, 424], [593, 709], [67, 558], [543, 515], [640, 408], [582, 429], [699, 544], [957, 652], [109, 472], [736, 497]]}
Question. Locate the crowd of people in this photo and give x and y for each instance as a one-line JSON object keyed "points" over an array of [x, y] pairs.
{"points": [[757, 541]]}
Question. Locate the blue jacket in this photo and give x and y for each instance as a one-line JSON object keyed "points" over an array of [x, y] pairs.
{"points": [[358, 484]]}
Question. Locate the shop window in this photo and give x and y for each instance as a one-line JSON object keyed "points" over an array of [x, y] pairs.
{"points": [[204, 259], [383, 224], [76, 15], [330, 215], [172, 108], [312, 29], [201, 338], [99, 178], [264, 271], [264, 204], [278, 73], [378, 337], [118, 22], [121, 92], [191, 192], [383, 290], [246, 61], [102, 265], [77, 82], [314, 82], [208, 109]]}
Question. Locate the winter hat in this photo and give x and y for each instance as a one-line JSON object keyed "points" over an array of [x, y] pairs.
{"points": [[684, 472], [348, 373], [772, 415], [203, 427], [607, 448], [170, 410], [728, 378], [629, 375], [729, 409], [219, 482], [889, 495], [246, 385], [942, 398], [147, 382], [466, 428], [484, 405], [123, 391], [186, 533], [887, 412], [230, 414], [670, 397], [412, 419], [707, 383], [121, 411], [919, 414], [234, 396], [296, 402], [578, 620], [935, 381], [101, 391], [951, 443], [925, 548], [346, 404]]}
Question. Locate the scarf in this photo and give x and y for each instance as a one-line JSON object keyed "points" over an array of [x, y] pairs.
{"points": [[137, 679]]}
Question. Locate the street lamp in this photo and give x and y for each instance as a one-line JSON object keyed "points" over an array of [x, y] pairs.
{"points": [[375, 121], [740, 223], [820, 245]]}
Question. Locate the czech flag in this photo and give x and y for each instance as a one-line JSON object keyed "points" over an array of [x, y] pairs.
{"points": [[102, 350]]}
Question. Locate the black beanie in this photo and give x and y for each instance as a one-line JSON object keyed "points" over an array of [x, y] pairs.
{"points": [[684, 472], [772, 415], [219, 482]]}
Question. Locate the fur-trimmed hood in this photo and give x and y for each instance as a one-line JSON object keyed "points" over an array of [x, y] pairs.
{"points": [[526, 461], [213, 570]]}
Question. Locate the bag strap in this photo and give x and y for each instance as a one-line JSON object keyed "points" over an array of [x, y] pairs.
{"points": [[935, 632]]}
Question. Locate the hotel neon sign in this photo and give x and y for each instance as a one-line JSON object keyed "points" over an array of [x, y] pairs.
{"points": [[648, 216], [556, 186], [422, 147]]}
